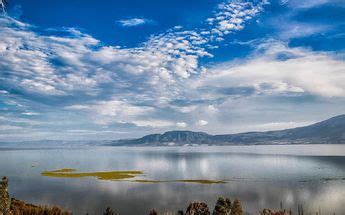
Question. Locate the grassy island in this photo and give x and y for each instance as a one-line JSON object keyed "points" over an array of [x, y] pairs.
{"points": [[109, 175], [120, 175]]}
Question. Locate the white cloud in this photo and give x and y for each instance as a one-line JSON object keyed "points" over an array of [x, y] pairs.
{"points": [[9, 128], [2, 6], [153, 123], [54, 65], [77, 107], [187, 109], [277, 68], [18, 120], [288, 29], [178, 27], [120, 108], [232, 16], [202, 122], [211, 109], [162, 77], [115, 111], [270, 126], [306, 3], [30, 114], [181, 124], [77, 63], [134, 22], [27, 59]]}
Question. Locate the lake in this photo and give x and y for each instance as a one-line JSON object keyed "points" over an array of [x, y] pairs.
{"points": [[260, 176]]}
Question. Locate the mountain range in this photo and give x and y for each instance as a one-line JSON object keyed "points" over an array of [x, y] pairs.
{"points": [[331, 131]]}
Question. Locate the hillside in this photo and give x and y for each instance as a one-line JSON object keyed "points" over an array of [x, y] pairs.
{"points": [[331, 131]]}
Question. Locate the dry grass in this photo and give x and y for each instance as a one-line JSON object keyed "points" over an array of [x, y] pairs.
{"points": [[22, 208]]}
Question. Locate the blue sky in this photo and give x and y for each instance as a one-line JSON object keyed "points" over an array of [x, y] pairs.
{"points": [[77, 70]]}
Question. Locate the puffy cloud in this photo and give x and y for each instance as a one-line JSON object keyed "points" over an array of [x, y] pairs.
{"points": [[181, 124], [27, 59], [114, 111], [161, 84], [120, 108], [202, 122], [187, 109], [51, 65], [211, 109], [77, 63], [232, 16]]}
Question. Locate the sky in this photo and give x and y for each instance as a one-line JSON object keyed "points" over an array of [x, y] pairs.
{"points": [[103, 70]]}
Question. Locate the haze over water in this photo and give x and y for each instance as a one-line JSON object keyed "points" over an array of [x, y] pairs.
{"points": [[260, 176]]}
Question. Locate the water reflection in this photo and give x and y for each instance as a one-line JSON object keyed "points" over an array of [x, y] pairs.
{"points": [[259, 180]]}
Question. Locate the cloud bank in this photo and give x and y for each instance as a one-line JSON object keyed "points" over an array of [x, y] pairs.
{"points": [[55, 81]]}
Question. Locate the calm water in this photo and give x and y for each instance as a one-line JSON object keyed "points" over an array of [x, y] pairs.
{"points": [[260, 176]]}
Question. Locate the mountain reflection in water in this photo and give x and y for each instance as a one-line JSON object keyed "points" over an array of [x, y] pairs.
{"points": [[259, 180]]}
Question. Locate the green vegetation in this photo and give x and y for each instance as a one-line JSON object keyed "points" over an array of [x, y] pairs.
{"points": [[64, 170], [222, 207], [236, 208], [111, 175]]}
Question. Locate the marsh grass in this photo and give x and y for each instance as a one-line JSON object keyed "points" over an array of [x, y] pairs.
{"points": [[120, 175], [64, 170], [110, 175]]}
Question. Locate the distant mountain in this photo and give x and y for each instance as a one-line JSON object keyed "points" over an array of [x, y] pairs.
{"points": [[331, 131], [38, 144]]}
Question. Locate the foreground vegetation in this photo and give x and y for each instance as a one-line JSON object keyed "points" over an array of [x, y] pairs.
{"points": [[21, 208]]}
